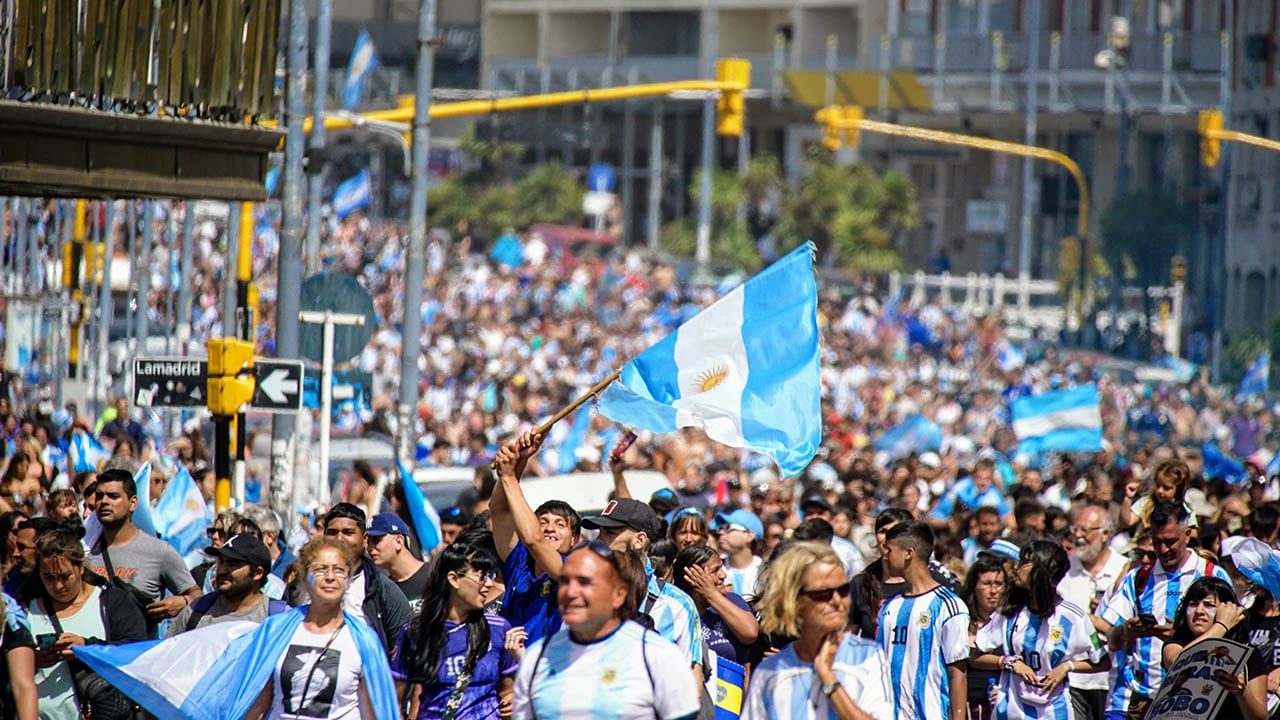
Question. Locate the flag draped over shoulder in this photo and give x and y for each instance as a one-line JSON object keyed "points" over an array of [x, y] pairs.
{"points": [[1062, 420], [746, 370], [426, 521], [217, 671]]}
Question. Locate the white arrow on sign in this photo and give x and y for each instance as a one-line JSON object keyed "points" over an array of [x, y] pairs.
{"points": [[277, 386]]}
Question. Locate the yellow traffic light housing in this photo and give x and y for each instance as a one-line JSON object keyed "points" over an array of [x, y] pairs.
{"points": [[1211, 123], [228, 394], [849, 119], [839, 126], [229, 356], [731, 107]]}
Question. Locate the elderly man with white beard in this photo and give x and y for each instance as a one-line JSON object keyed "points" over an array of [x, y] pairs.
{"points": [[1092, 573]]}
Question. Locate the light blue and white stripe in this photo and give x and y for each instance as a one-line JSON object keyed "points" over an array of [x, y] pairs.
{"points": [[364, 60], [746, 370], [1062, 420]]}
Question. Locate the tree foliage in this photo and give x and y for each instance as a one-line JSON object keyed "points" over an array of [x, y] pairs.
{"points": [[491, 200], [851, 214]]}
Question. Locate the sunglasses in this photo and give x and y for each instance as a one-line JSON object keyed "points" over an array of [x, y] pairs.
{"points": [[595, 546], [1142, 555], [825, 594], [216, 532]]}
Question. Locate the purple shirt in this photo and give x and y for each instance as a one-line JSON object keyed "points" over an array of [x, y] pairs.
{"points": [[720, 638], [480, 699]]}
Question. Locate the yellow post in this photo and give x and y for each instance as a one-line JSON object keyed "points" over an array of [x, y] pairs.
{"points": [[71, 273]]}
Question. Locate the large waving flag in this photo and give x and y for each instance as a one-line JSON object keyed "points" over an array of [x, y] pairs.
{"points": [[1062, 420], [353, 194], [426, 522], [916, 433], [1216, 464], [745, 370], [186, 677], [182, 516], [85, 453], [364, 60], [1255, 381]]}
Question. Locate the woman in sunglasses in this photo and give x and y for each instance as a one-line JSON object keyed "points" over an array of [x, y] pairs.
{"points": [[453, 649], [826, 672], [1035, 639]]}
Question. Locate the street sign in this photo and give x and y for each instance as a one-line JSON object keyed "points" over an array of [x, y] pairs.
{"points": [[339, 293], [357, 385], [277, 385], [170, 382]]}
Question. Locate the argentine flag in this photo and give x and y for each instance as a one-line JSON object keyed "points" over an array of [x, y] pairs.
{"points": [[217, 671], [1256, 560], [426, 521], [1255, 381], [353, 194], [364, 60], [1062, 420], [182, 517], [85, 453], [745, 370]]}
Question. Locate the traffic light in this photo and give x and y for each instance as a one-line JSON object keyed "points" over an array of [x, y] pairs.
{"points": [[840, 126], [1178, 268], [849, 118], [1211, 123], [230, 375], [731, 106]]}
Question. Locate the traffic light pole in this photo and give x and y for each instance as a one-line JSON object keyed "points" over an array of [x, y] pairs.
{"points": [[245, 321]]}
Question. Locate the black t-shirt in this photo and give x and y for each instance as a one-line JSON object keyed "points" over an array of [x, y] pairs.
{"points": [[13, 637], [414, 586], [1255, 665], [1265, 639]]}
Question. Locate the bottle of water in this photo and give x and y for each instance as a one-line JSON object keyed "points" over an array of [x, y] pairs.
{"points": [[992, 693]]}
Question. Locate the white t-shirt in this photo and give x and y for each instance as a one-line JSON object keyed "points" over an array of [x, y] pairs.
{"points": [[312, 683], [1079, 588], [614, 677], [743, 580]]}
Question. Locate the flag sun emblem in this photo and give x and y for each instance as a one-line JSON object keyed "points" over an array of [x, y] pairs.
{"points": [[709, 379]]}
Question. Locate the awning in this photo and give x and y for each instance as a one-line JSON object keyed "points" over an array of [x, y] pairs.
{"points": [[809, 88]]}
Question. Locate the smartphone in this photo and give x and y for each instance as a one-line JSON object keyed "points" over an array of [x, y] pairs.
{"points": [[615, 455], [44, 641], [1147, 619]]}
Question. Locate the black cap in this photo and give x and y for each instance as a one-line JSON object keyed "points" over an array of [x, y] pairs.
{"points": [[244, 548], [628, 513]]}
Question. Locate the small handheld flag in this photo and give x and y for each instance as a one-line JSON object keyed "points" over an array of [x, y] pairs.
{"points": [[364, 60]]}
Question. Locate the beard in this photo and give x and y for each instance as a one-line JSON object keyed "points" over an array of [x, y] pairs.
{"points": [[1089, 551]]}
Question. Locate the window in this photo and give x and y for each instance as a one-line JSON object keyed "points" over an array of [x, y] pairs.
{"points": [[664, 33]]}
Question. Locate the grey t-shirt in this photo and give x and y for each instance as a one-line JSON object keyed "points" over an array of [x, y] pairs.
{"points": [[147, 563], [218, 614]]}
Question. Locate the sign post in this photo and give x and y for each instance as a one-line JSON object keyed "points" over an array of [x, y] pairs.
{"points": [[329, 320]]}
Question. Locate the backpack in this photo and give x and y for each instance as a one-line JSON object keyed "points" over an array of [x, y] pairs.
{"points": [[201, 607]]}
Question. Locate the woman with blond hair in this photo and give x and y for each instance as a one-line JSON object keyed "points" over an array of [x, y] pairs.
{"points": [[827, 671]]}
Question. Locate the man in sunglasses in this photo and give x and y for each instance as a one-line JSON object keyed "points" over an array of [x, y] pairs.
{"points": [[1138, 616]]}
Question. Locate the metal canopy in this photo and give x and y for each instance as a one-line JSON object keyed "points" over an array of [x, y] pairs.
{"points": [[53, 150]]}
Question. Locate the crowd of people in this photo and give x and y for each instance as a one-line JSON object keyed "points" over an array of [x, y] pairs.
{"points": [[950, 576]]}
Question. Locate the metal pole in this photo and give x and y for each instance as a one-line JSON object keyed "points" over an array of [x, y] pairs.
{"points": [[131, 225], [1219, 249], [411, 335], [289, 269], [703, 250], [229, 283], [144, 277], [1029, 132], [21, 218], [628, 160], [105, 310], [656, 174], [326, 407], [186, 269], [315, 167]]}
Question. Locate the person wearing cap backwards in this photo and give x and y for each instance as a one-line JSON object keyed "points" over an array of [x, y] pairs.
{"points": [[388, 544], [628, 523], [242, 566], [816, 506], [737, 532]]}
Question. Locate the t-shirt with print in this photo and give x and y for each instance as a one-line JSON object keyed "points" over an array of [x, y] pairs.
{"points": [[530, 601], [414, 586], [720, 638], [147, 563], [217, 613], [480, 699], [313, 682]]}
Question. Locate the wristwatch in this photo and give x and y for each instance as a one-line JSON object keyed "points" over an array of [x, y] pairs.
{"points": [[829, 689]]}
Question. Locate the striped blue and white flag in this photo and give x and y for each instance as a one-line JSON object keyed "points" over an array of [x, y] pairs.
{"points": [[353, 194], [916, 433], [1217, 464], [426, 521], [1255, 381], [217, 671], [182, 516], [745, 370], [364, 60], [85, 452], [1062, 420]]}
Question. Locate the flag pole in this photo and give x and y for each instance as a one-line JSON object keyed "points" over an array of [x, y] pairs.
{"points": [[595, 390]]}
